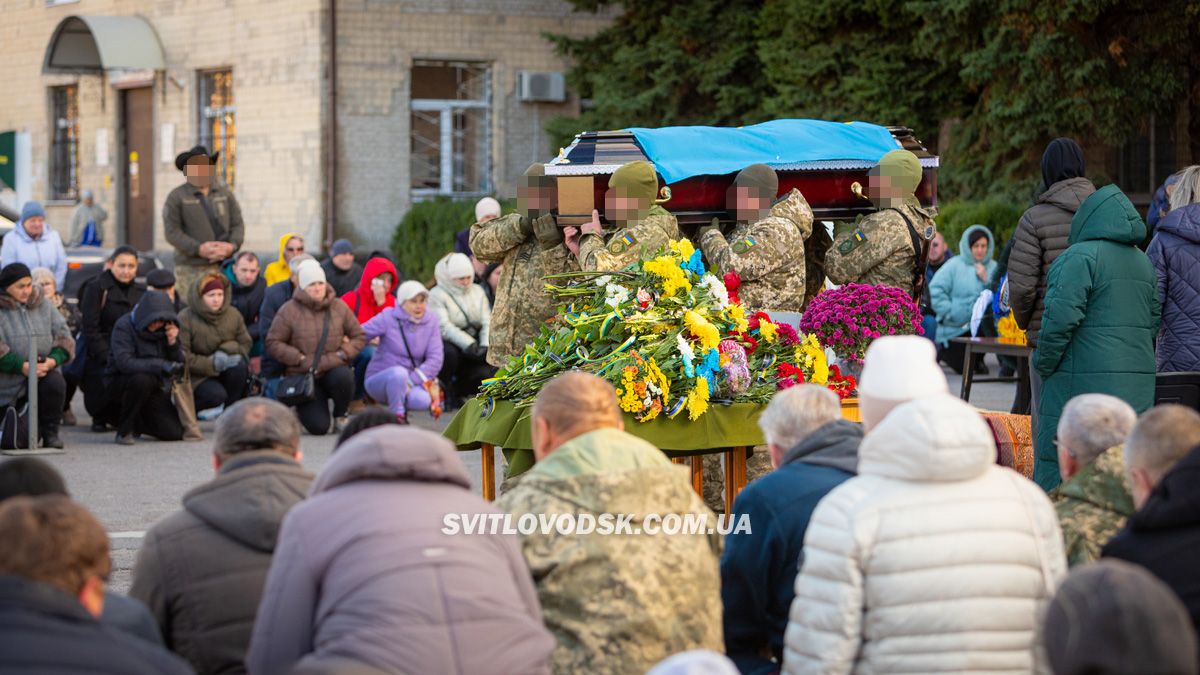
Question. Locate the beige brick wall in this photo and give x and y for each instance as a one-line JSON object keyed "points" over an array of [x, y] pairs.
{"points": [[274, 49]]}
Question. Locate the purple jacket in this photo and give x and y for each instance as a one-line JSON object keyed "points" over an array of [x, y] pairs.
{"points": [[1175, 252], [424, 339]]}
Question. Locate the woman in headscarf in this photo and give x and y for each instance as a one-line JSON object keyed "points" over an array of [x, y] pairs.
{"points": [[25, 316], [955, 288], [216, 343], [465, 314]]}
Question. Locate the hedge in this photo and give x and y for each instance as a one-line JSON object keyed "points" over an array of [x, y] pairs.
{"points": [[426, 233]]}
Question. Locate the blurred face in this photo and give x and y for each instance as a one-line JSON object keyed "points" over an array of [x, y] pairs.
{"points": [[343, 261], [979, 249], [246, 271], [748, 204], [487, 217], [621, 207], [199, 172], [316, 290], [536, 196], [880, 188], [214, 299], [292, 248], [156, 326], [49, 289], [124, 268], [34, 226], [415, 307], [21, 290], [88, 200], [937, 247], [463, 281]]}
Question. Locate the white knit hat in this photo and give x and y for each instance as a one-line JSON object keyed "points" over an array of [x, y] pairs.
{"points": [[898, 369], [459, 265], [310, 272], [486, 207], [409, 290]]}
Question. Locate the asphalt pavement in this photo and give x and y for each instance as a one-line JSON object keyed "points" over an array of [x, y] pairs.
{"points": [[129, 488]]}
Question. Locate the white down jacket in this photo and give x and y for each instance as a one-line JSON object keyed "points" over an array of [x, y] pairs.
{"points": [[464, 313], [933, 559]]}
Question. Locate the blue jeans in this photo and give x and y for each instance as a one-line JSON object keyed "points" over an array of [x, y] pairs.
{"points": [[360, 371], [929, 325], [270, 386]]}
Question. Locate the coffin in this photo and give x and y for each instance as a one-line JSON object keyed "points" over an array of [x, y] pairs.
{"points": [[826, 161]]}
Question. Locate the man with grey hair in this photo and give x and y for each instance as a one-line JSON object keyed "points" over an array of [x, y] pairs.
{"points": [[814, 450], [1093, 500], [1162, 457], [201, 570]]}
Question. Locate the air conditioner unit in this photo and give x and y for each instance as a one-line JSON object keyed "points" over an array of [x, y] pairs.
{"points": [[548, 87]]}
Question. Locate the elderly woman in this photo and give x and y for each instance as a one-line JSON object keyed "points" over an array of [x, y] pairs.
{"points": [[103, 301], [43, 278], [216, 342], [409, 356], [295, 341], [955, 288], [24, 316], [1175, 252], [464, 312]]}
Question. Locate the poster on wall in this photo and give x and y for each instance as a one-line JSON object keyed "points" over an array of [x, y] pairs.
{"points": [[166, 143], [102, 147]]}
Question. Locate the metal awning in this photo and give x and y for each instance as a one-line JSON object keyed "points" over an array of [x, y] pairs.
{"points": [[93, 44]]}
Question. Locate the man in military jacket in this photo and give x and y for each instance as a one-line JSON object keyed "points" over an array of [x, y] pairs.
{"points": [[643, 228], [765, 247], [201, 219], [880, 248], [529, 244]]}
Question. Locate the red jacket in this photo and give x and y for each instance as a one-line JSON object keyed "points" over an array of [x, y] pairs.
{"points": [[361, 300]]}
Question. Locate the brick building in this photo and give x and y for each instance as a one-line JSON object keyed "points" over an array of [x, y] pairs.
{"points": [[329, 137]]}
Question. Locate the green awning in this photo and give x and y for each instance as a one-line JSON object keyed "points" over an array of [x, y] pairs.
{"points": [[8, 159], [92, 44]]}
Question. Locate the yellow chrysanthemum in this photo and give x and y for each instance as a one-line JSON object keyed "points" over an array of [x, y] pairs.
{"points": [[655, 375], [702, 330], [814, 359], [768, 330], [684, 248], [628, 391], [697, 399], [667, 268], [737, 314]]}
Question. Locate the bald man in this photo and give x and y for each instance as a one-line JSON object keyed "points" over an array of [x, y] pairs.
{"points": [[618, 603]]}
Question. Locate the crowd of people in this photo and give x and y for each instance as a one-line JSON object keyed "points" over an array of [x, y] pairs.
{"points": [[897, 545]]}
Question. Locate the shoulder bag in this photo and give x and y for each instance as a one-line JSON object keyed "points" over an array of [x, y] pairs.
{"points": [[298, 389]]}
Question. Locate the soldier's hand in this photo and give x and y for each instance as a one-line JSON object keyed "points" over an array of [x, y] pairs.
{"points": [[593, 227], [571, 239], [526, 225], [843, 227], [715, 225], [547, 232]]}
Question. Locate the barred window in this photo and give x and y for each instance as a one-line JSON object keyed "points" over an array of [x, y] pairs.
{"points": [[217, 123], [1146, 160], [451, 129], [64, 148]]}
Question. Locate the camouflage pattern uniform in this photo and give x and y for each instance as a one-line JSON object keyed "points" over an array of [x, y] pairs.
{"points": [[1093, 506], [628, 244], [618, 603], [522, 306], [816, 249], [879, 250], [767, 255]]}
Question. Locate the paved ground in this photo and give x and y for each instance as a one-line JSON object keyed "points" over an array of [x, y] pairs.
{"points": [[130, 488]]}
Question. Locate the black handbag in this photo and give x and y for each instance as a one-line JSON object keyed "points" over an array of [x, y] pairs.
{"points": [[298, 389]]}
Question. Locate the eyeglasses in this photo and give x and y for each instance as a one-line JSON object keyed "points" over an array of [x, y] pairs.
{"points": [[292, 249]]}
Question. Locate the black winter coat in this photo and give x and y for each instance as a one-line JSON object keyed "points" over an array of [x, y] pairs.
{"points": [[135, 349], [43, 630], [103, 301], [1164, 535], [247, 300]]}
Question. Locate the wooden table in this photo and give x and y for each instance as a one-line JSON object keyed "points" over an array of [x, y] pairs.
{"points": [[976, 347]]}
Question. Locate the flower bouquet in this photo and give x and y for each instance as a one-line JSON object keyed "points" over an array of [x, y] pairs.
{"points": [[849, 318], [670, 337]]}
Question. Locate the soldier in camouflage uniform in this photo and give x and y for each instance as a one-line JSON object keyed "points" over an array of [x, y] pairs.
{"points": [[1093, 506], [615, 604], [643, 227], [530, 246], [879, 248], [765, 247]]}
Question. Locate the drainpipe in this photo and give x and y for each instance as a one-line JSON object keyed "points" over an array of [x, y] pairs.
{"points": [[331, 172]]}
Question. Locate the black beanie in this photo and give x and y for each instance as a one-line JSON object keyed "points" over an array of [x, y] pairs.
{"points": [[1063, 159], [12, 273]]}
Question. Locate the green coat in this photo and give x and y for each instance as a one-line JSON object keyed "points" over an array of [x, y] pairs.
{"points": [[203, 332], [1102, 314], [1092, 507]]}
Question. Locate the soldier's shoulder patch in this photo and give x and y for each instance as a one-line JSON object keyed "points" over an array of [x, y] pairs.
{"points": [[621, 243], [744, 244], [857, 239]]}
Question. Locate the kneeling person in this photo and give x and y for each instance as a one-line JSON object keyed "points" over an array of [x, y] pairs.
{"points": [[622, 602], [216, 342], [146, 358]]}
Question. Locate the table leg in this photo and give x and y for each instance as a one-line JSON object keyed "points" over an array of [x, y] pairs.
{"points": [[968, 373], [487, 459], [696, 464], [1023, 402], [735, 475]]}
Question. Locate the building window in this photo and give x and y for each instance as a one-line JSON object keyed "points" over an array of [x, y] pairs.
{"points": [[451, 129], [1147, 159], [64, 150], [217, 124]]}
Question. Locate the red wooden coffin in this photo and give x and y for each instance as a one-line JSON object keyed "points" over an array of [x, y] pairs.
{"points": [[835, 189]]}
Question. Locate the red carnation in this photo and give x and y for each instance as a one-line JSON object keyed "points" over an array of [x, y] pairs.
{"points": [[732, 283]]}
